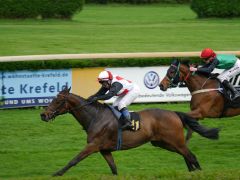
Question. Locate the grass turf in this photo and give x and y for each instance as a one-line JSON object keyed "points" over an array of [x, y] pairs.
{"points": [[120, 28], [32, 149]]}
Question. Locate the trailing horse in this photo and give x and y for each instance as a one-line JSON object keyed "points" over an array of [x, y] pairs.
{"points": [[161, 127], [208, 95]]}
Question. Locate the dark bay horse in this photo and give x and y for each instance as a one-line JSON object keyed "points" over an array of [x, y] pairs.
{"points": [[206, 101], [161, 127]]}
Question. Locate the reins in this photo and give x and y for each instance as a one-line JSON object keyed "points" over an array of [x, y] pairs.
{"points": [[187, 76], [77, 107], [54, 112]]}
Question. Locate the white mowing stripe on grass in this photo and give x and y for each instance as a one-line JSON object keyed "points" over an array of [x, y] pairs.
{"points": [[106, 56]]}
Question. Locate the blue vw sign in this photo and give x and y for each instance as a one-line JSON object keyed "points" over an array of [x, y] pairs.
{"points": [[151, 79]]}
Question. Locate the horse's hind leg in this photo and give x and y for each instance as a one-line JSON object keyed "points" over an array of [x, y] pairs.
{"points": [[195, 161], [190, 159], [109, 158], [89, 149], [189, 134], [189, 165], [196, 114]]}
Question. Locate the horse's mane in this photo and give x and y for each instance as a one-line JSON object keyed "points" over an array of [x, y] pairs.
{"points": [[92, 108], [202, 74], [185, 62]]}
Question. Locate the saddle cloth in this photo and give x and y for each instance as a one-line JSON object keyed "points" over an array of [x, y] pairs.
{"points": [[135, 118]]}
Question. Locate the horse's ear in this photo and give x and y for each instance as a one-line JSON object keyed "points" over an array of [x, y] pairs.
{"points": [[66, 89]]}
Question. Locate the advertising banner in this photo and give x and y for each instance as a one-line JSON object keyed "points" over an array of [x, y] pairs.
{"points": [[32, 88], [148, 79], [38, 88]]}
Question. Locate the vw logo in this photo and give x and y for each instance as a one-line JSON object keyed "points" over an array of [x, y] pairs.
{"points": [[151, 80]]}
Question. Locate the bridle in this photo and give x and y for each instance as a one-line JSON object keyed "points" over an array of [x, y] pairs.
{"points": [[174, 80], [55, 111]]}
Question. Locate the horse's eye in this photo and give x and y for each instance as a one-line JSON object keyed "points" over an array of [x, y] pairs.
{"points": [[58, 102]]}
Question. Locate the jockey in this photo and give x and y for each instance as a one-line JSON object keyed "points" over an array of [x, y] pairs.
{"points": [[125, 90], [230, 63]]}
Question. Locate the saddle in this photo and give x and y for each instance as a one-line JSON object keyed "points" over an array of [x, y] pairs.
{"points": [[135, 118]]}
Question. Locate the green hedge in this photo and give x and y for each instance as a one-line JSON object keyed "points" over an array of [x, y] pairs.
{"points": [[66, 64], [138, 1], [216, 8], [17, 9]]}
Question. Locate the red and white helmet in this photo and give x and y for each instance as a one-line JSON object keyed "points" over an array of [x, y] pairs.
{"points": [[105, 76], [207, 53]]}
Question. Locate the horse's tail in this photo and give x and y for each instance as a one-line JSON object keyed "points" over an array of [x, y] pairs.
{"points": [[210, 133]]}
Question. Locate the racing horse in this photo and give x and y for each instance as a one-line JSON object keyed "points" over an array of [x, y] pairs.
{"points": [[161, 127], [207, 99]]}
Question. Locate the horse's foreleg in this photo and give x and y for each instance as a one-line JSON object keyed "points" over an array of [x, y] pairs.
{"points": [[109, 158], [89, 149]]}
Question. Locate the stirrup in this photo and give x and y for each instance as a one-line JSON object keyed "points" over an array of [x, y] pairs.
{"points": [[127, 126], [235, 96]]}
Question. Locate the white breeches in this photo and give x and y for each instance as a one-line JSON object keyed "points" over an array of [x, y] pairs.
{"points": [[125, 100], [230, 73]]}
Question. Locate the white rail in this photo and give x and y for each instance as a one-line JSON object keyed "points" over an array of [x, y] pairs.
{"points": [[106, 56]]}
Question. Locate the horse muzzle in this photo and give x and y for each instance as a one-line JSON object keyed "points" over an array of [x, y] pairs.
{"points": [[45, 117], [162, 88]]}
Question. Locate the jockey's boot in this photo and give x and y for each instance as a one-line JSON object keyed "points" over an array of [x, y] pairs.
{"points": [[235, 93], [126, 117]]}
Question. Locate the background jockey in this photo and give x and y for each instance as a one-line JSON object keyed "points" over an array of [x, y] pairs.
{"points": [[113, 85], [230, 63]]}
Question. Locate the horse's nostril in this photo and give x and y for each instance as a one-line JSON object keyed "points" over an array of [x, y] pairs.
{"points": [[161, 87], [43, 116]]}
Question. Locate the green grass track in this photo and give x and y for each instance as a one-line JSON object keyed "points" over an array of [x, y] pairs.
{"points": [[120, 28], [32, 149]]}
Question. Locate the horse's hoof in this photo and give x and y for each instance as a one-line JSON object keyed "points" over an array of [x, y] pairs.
{"points": [[57, 174]]}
